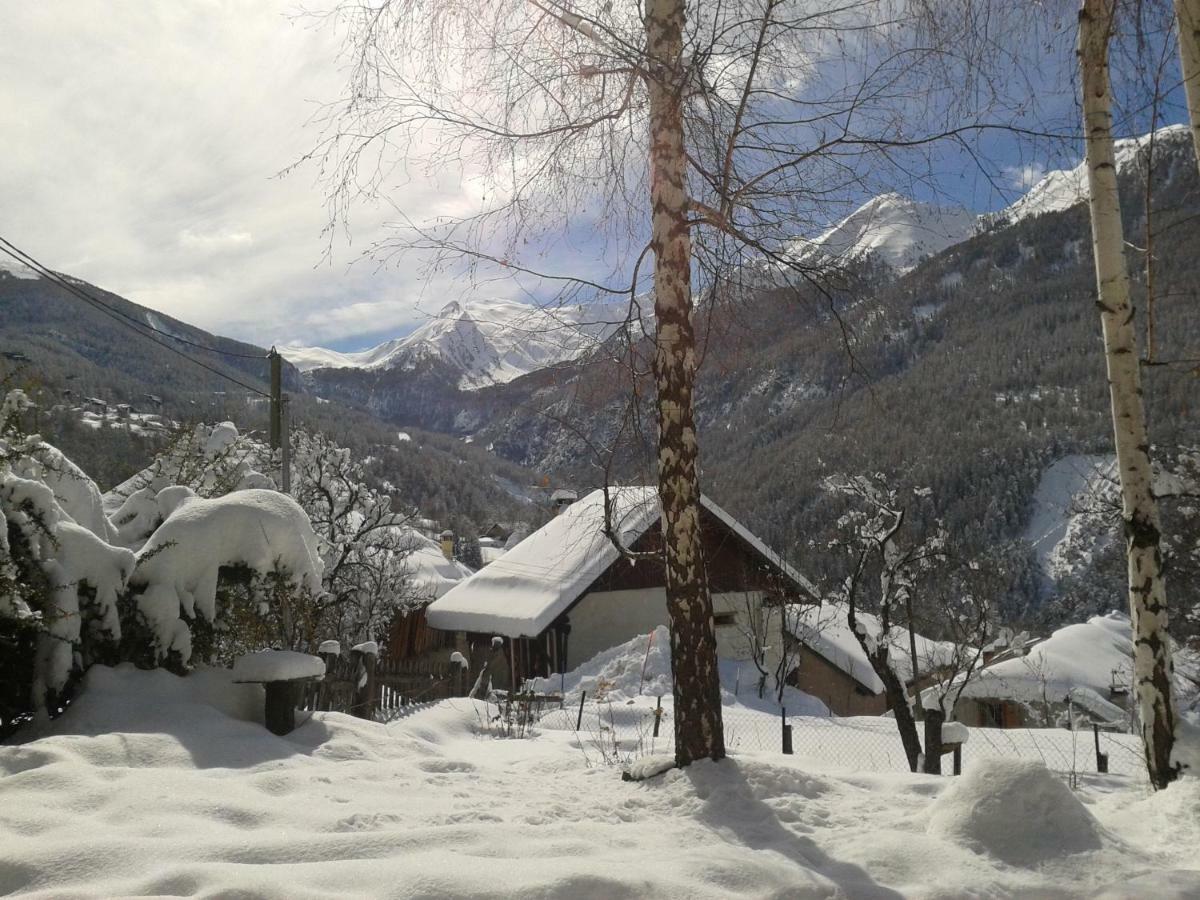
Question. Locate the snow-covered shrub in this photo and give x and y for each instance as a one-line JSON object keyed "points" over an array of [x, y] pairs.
{"points": [[60, 578], [363, 543], [205, 461], [254, 546]]}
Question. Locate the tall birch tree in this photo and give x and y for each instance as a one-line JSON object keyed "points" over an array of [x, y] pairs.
{"points": [[1187, 17], [1147, 587], [696, 140]]}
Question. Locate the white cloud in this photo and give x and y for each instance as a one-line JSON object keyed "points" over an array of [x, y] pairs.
{"points": [[142, 144], [1026, 176]]}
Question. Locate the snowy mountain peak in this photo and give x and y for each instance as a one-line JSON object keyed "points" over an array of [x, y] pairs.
{"points": [[1063, 188], [892, 229], [489, 341]]}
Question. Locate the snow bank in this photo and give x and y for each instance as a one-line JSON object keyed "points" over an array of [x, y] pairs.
{"points": [[178, 567], [277, 665], [166, 786], [1016, 811], [639, 671]]}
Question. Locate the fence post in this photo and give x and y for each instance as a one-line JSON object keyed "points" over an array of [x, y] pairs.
{"points": [[787, 731], [579, 718], [364, 687], [1101, 758], [657, 716], [958, 760], [933, 741], [324, 700]]}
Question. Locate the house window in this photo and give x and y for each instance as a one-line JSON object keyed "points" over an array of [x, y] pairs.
{"points": [[723, 620]]}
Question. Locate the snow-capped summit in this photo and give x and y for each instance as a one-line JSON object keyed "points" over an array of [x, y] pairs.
{"points": [[489, 341], [1063, 188], [892, 229]]}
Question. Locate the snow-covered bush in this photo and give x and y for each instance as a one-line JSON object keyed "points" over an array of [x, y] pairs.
{"points": [[363, 544], [60, 578], [205, 461], [254, 547]]}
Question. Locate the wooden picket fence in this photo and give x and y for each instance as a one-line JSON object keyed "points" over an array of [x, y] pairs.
{"points": [[369, 688]]}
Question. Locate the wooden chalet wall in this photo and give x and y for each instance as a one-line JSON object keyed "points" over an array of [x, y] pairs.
{"points": [[410, 637]]}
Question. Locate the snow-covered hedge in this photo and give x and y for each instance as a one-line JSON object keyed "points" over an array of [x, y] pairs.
{"points": [[60, 578], [73, 591], [178, 568]]}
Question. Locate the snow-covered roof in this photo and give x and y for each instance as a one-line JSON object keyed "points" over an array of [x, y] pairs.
{"points": [[1078, 660], [533, 583], [825, 631], [431, 573]]}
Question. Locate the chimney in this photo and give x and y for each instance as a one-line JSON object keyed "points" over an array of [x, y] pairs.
{"points": [[446, 538], [561, 499]]}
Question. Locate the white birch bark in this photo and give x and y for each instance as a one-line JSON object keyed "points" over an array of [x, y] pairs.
{"points": [[1187, 17], [697, 690], [1147, 588]]}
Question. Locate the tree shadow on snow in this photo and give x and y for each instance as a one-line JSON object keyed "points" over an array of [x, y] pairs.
{"points": [[731, 805]]}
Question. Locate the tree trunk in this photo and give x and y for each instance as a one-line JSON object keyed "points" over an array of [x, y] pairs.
{"points": [[897, 700], [698, 730], [912, 649], [1187, 15], [893, 686], [1147, 588]]}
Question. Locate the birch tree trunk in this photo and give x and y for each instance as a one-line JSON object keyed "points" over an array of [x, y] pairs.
{"points": [[1187, 16], [698, 729], [1147, 588]]}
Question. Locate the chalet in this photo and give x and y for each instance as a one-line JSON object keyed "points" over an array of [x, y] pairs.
{"points": [[1082, 670], [565, 593], [830, 663], [498, 532]]}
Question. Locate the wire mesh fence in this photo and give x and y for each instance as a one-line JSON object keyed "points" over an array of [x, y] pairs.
{"points": [[620, 731]]}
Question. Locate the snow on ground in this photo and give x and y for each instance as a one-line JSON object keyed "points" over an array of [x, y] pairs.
{"points": [[1054, 528], [156, 785]]}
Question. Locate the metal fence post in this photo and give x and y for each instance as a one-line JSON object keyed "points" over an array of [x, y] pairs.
{"points": [[579, 718], [787, 731]]}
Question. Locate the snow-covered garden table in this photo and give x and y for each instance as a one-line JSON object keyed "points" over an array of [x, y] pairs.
{"points": [[283, 673]]}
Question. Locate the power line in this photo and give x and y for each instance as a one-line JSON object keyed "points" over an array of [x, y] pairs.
{"points": [[41, 268], [128, 321]]}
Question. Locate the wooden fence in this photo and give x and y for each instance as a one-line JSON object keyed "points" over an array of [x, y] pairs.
{"points": [[364, 686]]}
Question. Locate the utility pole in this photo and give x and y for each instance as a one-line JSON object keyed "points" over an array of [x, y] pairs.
{"points": [[285, 468], [276, 398]]}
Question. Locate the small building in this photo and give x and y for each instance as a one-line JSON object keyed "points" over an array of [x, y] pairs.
{"points": [[830, 663], [498, 532], [566, 593], [1082, 670]]}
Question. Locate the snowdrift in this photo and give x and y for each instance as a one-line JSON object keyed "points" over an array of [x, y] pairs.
{"points": [[160, 785]]}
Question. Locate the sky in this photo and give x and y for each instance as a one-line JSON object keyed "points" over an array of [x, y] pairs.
{"points": [[143, 152]]}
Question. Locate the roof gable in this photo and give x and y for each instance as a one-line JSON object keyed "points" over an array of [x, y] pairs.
{"points": [[525, 590]]}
